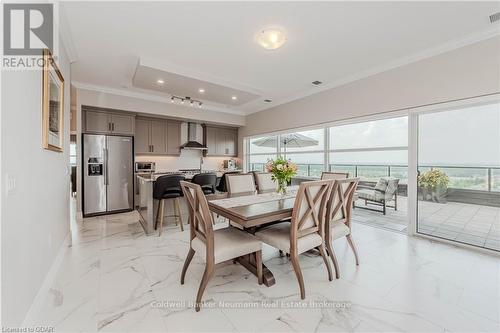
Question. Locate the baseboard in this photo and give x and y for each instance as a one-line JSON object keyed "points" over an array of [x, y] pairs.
{"points": [[37, 304]]}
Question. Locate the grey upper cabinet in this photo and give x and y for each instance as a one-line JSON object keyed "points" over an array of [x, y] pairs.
{"points": [[109, 123], [142, 140], [157, 136], [173, 137], [122, 124], [211, 140], [221, 141], [97, 122]]}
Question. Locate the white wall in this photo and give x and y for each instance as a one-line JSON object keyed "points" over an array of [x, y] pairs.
{"points": [[462, 73], [35, 216]]}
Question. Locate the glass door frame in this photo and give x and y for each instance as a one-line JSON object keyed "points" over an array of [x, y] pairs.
{"points": [[413, 127]]}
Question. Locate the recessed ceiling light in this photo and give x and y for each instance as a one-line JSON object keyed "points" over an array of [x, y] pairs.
{"points": [[271, 39], [160, 81], [201, 90], [234, 98]]}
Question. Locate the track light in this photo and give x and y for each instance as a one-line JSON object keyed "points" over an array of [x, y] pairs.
{"points": [[182, 100]]}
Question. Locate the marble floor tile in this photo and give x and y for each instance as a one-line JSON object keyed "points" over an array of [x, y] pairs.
{"points": [[115, 279]]}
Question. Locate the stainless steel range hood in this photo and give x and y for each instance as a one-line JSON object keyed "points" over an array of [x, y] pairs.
{"points": [[192, 143]]}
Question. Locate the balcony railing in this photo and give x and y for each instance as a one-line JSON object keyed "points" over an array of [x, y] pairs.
{"points": [[474, 178]]}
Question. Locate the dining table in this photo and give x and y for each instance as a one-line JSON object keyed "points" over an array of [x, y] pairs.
{"points": [[251, 212]]}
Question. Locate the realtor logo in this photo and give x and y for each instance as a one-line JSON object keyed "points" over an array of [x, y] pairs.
{"points": [[28, 28]]}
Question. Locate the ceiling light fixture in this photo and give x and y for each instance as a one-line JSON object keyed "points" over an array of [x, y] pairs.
{"points": [[201, 90], [271, 39], [160, 81], [183, 100], [234, 98]]}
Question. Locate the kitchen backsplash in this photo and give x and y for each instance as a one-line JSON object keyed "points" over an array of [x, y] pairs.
{"points": [[189, 159]]}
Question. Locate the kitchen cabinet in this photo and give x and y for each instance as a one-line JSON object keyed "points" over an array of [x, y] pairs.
{"points": [[122, 124], [157, 136], [97, 122], [141, 142], [109, 123], [221, 141], [173, 137], [211, 141]]}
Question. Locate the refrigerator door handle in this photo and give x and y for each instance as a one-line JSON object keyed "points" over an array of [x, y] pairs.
{"points": [[106, 177]]}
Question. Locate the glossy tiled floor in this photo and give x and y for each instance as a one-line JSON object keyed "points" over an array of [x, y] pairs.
{"points": [[114, 278]]}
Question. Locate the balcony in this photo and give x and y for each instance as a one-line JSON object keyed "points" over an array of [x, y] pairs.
{"points": [[471, 213]]}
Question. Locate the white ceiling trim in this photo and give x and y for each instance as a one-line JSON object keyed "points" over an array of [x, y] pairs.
{"points": [[429, 53], [147, 97]]}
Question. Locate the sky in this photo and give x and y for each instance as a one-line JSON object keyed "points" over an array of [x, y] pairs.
{"points": [[468, 136]]}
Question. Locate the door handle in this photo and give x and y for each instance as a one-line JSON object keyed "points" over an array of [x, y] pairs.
{"points": [[113, 126], [109, 126], [105, 155]]}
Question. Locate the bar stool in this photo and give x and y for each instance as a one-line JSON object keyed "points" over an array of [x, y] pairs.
{"points": [[207, 182], [168, 187]]}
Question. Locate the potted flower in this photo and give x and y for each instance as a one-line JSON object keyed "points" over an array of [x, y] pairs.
{"points": [[282, 171], [434, 185]]}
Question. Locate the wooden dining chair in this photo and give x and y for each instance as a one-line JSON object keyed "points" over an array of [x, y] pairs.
{"points": [[306, 229], [214, 246], [338, 217], [240, 184], [334, 175], [265, 183]]}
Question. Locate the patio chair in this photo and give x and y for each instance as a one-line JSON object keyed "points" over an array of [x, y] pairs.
{"points": [[384, 192]]}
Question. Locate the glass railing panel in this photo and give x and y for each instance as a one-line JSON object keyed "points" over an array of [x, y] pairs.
{"points": [[495, 180]]}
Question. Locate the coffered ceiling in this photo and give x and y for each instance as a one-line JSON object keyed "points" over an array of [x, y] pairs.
{"points": [[127, 46]]}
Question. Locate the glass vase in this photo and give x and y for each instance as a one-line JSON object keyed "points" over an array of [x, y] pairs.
{"points": [[282, 183]]}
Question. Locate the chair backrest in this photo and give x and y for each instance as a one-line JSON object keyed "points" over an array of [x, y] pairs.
{"points": [[205, 179], [200, 218], [391, 188], [339, 206], [265, 183], [240, 184], [167, 183], [309, 210], [222, 187], [334, 175], [386, 187]]}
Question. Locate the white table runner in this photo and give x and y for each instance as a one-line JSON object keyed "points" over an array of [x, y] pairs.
{"points": [[253, 199]]}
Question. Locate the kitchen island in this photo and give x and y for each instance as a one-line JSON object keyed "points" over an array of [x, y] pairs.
{"points": [[146, 205]]}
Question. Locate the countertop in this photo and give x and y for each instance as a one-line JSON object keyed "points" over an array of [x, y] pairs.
{"points": [[151, 177]]}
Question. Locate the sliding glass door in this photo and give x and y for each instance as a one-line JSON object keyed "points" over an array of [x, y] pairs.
{"points": [[458, 167]]}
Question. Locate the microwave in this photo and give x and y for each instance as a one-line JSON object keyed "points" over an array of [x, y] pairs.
{"points": [[145, 167]]}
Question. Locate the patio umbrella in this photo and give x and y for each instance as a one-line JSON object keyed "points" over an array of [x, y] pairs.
{"points": [[293, 140]]}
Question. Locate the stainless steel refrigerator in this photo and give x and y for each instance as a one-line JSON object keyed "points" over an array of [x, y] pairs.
{"points": [[108, 174]]}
